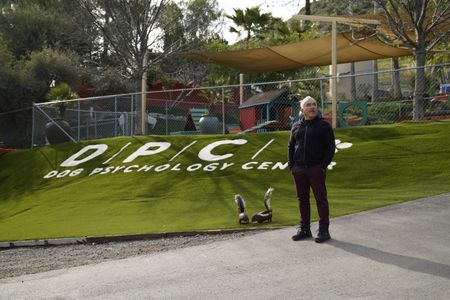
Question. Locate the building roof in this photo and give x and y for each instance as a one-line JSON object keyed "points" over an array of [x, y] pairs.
{"points": [[264, 98]]}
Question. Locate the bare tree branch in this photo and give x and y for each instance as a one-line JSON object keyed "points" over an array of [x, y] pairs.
{"points": [[438, 40], [439, 19], [396, 25], [427, 33], [423, 11]]}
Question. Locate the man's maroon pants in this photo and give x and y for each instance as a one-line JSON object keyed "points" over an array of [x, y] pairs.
{"points": [[306, 178]]}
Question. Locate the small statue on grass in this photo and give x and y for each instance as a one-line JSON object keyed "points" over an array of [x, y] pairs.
{"points": [[265, 215], [240, 202]]}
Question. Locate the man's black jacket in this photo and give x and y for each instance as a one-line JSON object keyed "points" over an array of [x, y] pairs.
{"points": [[311, 143]]}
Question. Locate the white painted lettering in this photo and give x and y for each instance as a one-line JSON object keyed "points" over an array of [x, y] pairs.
{"points": [[107, 170], [145, 168], [182, 150], [143, 151], [51, 174], [95, 171], [261, 150], [194, 167], [162, 168], [226, 165], [176, 167], [63, 174], [72, 161], [247, 166], [116, 169], [76, 172], [265, 165], [279, 165], [206, 155], [211, 167], [129, 169], [120, 151]]}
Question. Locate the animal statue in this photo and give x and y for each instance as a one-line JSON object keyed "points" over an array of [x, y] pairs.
{"points": [[240, 202], [265, 215]]}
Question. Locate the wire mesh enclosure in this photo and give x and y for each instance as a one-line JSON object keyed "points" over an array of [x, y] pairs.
{"points": [[364, 98]]}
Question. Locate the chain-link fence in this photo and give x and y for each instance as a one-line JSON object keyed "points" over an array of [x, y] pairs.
{"points": [[366, 98], [84, 119]]}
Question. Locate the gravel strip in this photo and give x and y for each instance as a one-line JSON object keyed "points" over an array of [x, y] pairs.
{"points": [[30, 260]]}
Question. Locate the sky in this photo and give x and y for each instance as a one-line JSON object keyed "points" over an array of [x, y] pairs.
{"points": [[279, 8]]}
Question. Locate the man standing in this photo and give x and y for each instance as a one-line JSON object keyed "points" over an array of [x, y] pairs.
{"points": [[311, 148]]}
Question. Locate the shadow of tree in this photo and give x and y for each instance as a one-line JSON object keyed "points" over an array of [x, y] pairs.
{"points": [[402, 261]]}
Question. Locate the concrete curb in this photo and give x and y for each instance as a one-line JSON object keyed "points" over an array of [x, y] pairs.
{"points": [[124, 238], [36, 243]]}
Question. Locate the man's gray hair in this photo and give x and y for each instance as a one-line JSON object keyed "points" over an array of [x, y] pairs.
{"points": [[305, 100]]}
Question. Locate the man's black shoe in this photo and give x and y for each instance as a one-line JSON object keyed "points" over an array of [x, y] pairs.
{"points": [[302, 234], [322, 236]]}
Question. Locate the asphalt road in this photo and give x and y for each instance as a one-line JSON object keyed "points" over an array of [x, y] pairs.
{"points": [[397, 252]]}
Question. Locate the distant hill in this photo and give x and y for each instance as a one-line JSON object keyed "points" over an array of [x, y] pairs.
{"points": [[339, 7]]}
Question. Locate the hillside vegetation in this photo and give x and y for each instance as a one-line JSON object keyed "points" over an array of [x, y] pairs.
{"points": [[165, 192]]}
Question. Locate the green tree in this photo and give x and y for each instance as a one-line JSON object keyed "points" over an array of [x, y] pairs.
{"points": [[251, 21], [276, 32], [289, 31], [10, 79], [201, 19], [192, 24], [307, 7], [25, 81], [418, 26], [132, 29], [33, 25]]}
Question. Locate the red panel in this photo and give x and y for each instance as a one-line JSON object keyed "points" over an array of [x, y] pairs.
{"points": [[247, 116]]}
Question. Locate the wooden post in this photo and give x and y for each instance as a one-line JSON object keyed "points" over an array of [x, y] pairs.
{"points": [[333, 74]]}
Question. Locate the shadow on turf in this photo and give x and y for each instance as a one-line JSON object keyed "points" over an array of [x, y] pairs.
{"points": [[405, 262]]}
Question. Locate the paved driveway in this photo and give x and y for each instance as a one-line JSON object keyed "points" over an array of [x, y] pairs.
{"points": [[397, 252]]}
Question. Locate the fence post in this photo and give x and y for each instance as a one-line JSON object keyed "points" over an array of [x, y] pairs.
{"points": [[321, 95], [126, 125], [167, 116], [88, 125], [95, 123], [79, 121], [115, 116], [32, 124], [132, 115], [223, 110]]}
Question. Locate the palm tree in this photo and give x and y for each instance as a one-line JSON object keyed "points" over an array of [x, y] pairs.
{"points": [[58, 94], [252, 22]]}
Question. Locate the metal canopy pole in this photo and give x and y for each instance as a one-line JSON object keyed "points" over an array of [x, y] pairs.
{"points": [[333, 74], [143, 117], [337, 19], [334, 21]]}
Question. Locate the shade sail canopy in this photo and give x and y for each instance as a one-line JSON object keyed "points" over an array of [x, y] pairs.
{"points": [[350, 48]]}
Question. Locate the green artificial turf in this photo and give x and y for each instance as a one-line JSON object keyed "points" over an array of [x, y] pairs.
{"points": [[386, 165]]}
